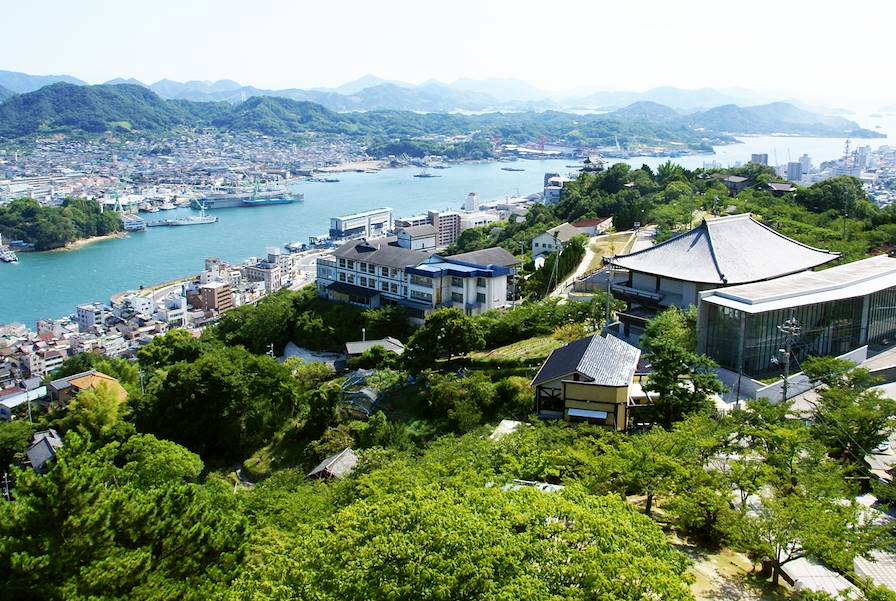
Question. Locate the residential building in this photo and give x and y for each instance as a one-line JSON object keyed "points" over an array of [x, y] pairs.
{"points": [[720, 252], [417, 237], [838, 310], [472, 202], [554, 239], [794, 172], [477, 219], [413, 220], [553, 188], [593, 227], [805, 164], [591, 380], [216, 296], [44, 445], [272, 270], [447, 223], [366, 224], [38, 363], [63, 390], [88, 316], [759, 159]]}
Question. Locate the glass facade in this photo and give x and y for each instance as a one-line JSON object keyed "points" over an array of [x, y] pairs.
{"points": [[827, 329]]}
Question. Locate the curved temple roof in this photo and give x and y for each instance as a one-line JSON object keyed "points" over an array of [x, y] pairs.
{"points": [[728, 250]]}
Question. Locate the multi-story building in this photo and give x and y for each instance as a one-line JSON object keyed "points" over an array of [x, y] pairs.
{"points": [[41, 362], [794, 172], [372, 273], [216, 296], [273, 270], [472, 202], [417, 237], [759, 159], [88, 316], [362, 225], [447, 224]]}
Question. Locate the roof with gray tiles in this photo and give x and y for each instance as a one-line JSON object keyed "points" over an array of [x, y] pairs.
{"points": [[603, 360], [728, 250]]}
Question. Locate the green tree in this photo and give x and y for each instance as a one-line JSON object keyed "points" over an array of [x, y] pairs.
{"points": [[15, 436], [446, 333]]}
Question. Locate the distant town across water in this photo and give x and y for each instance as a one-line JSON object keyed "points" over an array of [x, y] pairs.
{"points": [[51, 284]]}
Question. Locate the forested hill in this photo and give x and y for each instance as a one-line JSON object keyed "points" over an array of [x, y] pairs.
{"points": [[128, 108], [5, 93]]}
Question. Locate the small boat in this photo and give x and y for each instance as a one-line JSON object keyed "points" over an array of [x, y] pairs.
{"points": [[441, 166], [167, 206], [323, 180], [512, 169], [426, 174], [7, 256]]}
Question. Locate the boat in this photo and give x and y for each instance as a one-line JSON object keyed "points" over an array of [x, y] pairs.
{"points": [[238, 197], [6, 255], [167, 206], [200, 219], [426, 174], [132, 223], [324, 180], [441, 166], [295, 247], [512, 169]]}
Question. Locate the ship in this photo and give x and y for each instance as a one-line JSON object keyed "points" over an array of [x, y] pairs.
{"points": [[243, 197], [426, 174], [512, 169], [132, 223], [200, 219], [6, 255]]}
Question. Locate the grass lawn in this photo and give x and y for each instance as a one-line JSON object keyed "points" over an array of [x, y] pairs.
{"points": [[608, 246], [531, 348]]}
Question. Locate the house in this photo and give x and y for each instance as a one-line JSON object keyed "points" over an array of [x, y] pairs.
{"points": [[735, 183], [335, 466], [65, 389], [358, 348], [12, 398], [44, 445], [554, 239], [781, 189], [593, 227], [417, 237], [588, 380], [373, 273]]}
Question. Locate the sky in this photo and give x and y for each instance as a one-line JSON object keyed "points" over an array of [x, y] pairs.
{"points": [[819, 52]]}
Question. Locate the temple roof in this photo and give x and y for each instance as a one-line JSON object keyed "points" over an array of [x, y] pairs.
{"points": [[728, 250]]}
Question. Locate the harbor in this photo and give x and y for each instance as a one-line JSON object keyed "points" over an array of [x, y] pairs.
{"points": [[54, 283]]}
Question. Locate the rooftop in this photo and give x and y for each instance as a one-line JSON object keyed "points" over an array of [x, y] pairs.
{"points": [[605, 360], [810, 287], [728, 250], [382, 252], [564, 232], [390, 344], [487, 256], [419, 230], [369, 213]]}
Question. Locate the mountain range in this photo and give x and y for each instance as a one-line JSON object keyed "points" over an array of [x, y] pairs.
{"points": [[131, 108], [463, 95]]}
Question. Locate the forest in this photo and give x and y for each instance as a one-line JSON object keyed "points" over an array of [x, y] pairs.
{"points": [[54, 227]]}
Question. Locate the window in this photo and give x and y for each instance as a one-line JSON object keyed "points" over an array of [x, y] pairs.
{"points": [[421, 281], [457, 282], [341, 276], [480, 297], [363, 281], [394, 288], [480, 282], [384, 286], [421, 296], [342, 262], [350, 264], [457, 297]]}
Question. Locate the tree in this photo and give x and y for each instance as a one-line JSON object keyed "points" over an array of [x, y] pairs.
{"points": [[851, 421], [446, 333], [95, 410], [15, 436], [463, 400], [470, 542], [222, 405], [375, 357], [677, 325], [90, 528], [683, 380]]}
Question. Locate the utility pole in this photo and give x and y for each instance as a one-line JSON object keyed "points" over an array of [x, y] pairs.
{"points": [[791, 330]]}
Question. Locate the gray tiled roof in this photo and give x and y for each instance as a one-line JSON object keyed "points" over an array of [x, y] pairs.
{"points": [[728, 250], [604, 360], [382, 252], [487, 256], [419, 230], [388, 343], [335, 466]]}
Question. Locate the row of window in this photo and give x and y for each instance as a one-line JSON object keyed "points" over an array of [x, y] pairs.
{"points": [[366, 282], [457, 297], [370, 268]]}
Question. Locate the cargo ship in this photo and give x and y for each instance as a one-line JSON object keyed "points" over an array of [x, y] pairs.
{"points": [[242, 197]]}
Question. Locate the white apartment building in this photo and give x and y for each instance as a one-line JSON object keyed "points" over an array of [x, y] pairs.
{"points": [[88, 316]]}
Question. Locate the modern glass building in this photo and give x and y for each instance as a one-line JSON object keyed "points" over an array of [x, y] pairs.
{"points": [[838, 310]]}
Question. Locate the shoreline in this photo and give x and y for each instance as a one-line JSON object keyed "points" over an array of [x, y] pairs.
{"points": [[78, 244]]}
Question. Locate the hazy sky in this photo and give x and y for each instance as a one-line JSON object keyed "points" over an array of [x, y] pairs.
{"points": [[818, 51]]}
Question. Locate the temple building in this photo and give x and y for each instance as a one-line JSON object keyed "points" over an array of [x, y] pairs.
{"points": [[721, 252]]}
